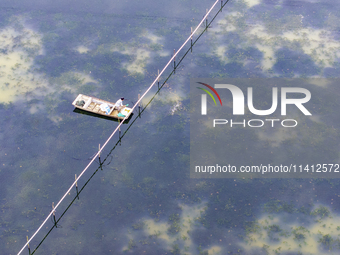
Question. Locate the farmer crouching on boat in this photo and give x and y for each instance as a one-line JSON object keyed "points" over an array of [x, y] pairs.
{"points": [[119, 104]]}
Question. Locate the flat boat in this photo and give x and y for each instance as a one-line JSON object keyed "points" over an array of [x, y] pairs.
{"points": [[101, 107]]}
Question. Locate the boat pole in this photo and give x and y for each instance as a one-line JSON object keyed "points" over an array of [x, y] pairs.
{"points": [[139, 105], [158, 79], [120, 139], [174, 60], [99, 151], [75, 177], [100, 162], [28, 246], [191, 39], [206, 20], [55, 222]]}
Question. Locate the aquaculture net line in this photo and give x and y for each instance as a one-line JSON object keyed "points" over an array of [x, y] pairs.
{"points": [[126, 117]]}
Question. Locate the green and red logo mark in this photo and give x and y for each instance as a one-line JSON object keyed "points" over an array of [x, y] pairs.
{"points": [[204, 97]]}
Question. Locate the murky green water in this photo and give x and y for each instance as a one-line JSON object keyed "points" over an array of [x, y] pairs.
{"points": [[143, 201]]}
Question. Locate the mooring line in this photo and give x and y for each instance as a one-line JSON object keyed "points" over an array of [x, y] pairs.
{"points": [[118, 127]]}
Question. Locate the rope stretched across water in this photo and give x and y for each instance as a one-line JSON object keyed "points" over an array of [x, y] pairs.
{"points": [[115, 131]]}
